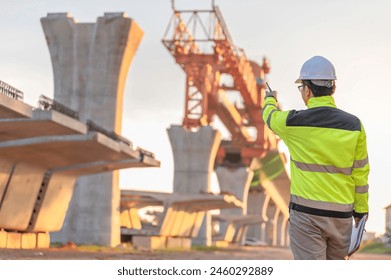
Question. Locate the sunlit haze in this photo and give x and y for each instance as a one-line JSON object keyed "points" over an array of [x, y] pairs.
{"points": [[354, 35]]}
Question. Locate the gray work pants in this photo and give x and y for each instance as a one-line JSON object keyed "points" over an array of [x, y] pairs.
{"points": [[315, 237]]}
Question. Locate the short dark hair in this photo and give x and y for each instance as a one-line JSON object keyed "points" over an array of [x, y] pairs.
{"points": [[319, 90]]}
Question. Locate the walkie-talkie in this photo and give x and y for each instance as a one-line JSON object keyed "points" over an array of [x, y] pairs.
{"points": [[269, 87], [271, 93]]}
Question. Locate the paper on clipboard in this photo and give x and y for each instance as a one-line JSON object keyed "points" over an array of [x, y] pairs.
{"points": [[356, 237]]}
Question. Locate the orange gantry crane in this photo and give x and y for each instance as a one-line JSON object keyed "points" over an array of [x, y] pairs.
{"points": [[201, 44]]}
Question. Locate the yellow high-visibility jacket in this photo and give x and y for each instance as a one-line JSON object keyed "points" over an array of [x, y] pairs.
{"points": [[329, 158]]}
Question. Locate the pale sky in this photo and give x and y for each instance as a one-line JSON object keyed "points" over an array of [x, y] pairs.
{"points": [[355, 35]]}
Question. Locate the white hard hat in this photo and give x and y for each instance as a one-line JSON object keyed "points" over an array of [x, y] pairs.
{"points": [[318, 69]]}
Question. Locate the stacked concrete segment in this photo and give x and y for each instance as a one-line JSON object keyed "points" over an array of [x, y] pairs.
{"points": [[181, 220], [234, 180], [90, 64], [264, 217], [41, 158], [24, 240]]}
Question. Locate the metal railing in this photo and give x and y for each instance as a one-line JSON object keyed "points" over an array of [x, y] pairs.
{"points": [[92, 126], [145, 152], [10, 91], [46, 103]]}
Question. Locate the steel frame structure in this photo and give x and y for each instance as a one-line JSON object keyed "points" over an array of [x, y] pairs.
{"points": [[201, 44]]}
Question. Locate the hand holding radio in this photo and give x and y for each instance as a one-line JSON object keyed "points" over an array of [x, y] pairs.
{"points": [[271, 93]]}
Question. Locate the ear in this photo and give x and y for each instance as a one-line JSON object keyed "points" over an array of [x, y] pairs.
{"points": [[308, 92]]}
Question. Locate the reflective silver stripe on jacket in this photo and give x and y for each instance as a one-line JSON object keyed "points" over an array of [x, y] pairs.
{"points": [[331, 206], [321, 168], [360, 163], [362, 189]]}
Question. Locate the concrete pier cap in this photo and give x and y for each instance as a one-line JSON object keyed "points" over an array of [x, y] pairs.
{"points": [[115, 15], [59, 15], [194, 156]]}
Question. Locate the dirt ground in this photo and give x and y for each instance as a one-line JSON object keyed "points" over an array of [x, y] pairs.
{"points": [[238, 253]]}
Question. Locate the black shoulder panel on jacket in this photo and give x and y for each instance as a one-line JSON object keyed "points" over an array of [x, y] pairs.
{"points": [[326, 117]]}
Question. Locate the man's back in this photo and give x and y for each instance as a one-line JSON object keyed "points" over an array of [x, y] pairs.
{"points": [[322, 142], [329, 164]]}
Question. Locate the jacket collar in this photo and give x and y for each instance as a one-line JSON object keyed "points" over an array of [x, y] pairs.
{"points": [[322, 101]]}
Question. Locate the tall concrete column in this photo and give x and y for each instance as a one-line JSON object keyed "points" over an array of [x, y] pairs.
{"points": [[284, 231], [90, 65], [268, 213], [194, 156], [235, 180], [255, 202], [277, 222]]}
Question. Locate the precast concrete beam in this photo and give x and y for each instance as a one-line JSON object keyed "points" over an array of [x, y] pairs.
{"points": [[239, 219], [52, 204], [60, 151], [12, 108], [41, 141], [133, 199], [105, 166], [19, 199], [90, 64], [54, 143], [237, 225], [184, 213], [63, 156], [42, 123], [5, 172], [193, 202], [130, 219], [51, 209]]}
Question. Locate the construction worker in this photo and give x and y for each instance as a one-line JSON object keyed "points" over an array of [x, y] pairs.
{"points": [[328, 161]]}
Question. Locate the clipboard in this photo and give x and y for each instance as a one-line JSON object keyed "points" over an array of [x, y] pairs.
{"points": [[356, 236]]}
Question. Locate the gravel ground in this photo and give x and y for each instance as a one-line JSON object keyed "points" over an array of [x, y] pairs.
{"points": [[237, 253]]}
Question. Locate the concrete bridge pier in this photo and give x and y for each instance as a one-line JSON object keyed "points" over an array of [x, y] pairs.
{"points": [[256, 199], [90, 65], [194, 156], [280, 237], [282, 230], [268, 213], [234, 180], [275, 225]]}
